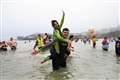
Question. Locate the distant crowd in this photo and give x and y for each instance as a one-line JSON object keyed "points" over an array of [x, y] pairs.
{"points": [[5, 44]]}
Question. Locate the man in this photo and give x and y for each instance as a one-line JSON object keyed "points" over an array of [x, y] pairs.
{"points": [[64, 48]]}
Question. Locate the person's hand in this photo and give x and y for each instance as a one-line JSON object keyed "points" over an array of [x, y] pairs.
{"points": [[34, 52], [63, 12], [42, 62], [69, 43]]}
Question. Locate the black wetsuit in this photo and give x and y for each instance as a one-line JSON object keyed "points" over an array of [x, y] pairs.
{"points": [[117, 48], [59, 60], [64, 52]]}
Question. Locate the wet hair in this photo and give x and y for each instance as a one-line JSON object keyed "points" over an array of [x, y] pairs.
{"points": [[65, 29], [46, 34], [39, 34], [53, 22], [94, 36], [11, 38], [105, 37], [3, 42], [119, 38], [71, 36]]}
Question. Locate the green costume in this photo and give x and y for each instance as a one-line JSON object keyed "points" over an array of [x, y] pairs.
{"points": [[57, 35]]}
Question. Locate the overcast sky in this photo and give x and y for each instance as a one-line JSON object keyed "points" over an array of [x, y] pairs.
{"points": [[24, 17]]}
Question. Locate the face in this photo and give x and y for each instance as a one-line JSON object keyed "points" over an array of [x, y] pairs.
{"points": [[55, 24], [65, 34]]}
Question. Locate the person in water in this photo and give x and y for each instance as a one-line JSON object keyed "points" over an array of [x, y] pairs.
{"points": [[57, 38], [105, 44], [55, 49], [117, 47], [12, 44], [59, 60], [0, 46], [46, 39], [64, 48], [39, 44], [4, 46], [94, 41], [70, 46]]}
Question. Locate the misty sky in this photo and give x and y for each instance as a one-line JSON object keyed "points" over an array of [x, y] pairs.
{"points": [[24, 17]]}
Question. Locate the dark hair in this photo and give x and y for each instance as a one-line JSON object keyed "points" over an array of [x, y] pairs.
{"points": [[11, 38], [94, 36], [118, 37], [65, 29], [3, 42], [105, 37], [71, 36], [46, 34], [39, 34], [53, 22]]}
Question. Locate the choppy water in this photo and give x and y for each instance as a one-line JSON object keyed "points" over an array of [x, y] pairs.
{"points": [[86, 64]]}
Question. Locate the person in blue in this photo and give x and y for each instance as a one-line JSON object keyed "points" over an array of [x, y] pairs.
{"points": [[117, 47]]}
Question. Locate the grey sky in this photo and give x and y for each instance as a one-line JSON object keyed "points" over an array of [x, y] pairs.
{"points": [[24, 17]]}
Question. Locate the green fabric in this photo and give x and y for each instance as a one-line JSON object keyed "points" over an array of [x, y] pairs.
{"points": [[46, 59], [58, 37], [62, 21], [56, 46], [40, 49]]}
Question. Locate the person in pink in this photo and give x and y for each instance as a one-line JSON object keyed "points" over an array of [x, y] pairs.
{"points": [[105, 44], [12, 44]]}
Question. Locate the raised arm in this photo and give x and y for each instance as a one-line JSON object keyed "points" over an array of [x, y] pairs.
{"points": [[62, 20]]}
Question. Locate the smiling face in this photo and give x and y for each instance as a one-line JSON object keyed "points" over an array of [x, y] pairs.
{"points": [[65, 32], [55, 24]]}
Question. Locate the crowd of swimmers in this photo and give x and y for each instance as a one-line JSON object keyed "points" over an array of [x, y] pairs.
{"points": [[12, 44], [105, 43], [60, 45]]}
